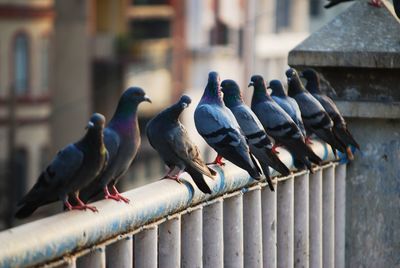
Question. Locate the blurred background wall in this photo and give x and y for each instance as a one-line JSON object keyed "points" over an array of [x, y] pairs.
{"points": [[61, 60]]}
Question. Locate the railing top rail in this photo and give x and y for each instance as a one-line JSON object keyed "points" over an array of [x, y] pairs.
{"points": [[53, 237]]}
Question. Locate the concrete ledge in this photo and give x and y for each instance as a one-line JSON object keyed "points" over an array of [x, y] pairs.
{"points": [[363, 109]]}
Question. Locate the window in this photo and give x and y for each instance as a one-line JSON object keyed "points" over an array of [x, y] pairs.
{"points": [[283, 15], [21, 61], [44, 64]]}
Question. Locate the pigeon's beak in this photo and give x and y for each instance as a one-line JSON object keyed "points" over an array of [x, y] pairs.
{"points": [[289, 79], [250, 84], [301, 75], [184, 105], [147, 98], [89, 125], [268, 86]]}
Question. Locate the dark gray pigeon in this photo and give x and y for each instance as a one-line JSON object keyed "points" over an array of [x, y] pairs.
{"points": [[315, 118], [170, 139], [278, 125], [396, 5], [217, 125], [339, 124], [73, 168], [287, 103], [259, 143], [122, 139]]}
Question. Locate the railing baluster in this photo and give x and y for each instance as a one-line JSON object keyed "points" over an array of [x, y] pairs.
{"points": [[252, 226], [233, 232], [146, 248], [169, 244], [94, 259], [285, 223], [316, 219], [268, 204], [213, 235], [192, 239], [340, 215], [328, 220], [301, 221], [120, 253]]}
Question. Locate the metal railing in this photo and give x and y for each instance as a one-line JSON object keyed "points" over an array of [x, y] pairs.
{"points": [[168, 224]]}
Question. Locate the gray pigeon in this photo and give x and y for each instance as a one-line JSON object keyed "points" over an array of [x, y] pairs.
{"points": [[122, 139], [315, 118], [219, 128], [278, 125], [339, 124], [170, 139], [73, 168], [287, 103], [259, 143]]}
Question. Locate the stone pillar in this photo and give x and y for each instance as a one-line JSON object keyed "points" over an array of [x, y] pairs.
{"points": [[361, 60], [71, 76]]}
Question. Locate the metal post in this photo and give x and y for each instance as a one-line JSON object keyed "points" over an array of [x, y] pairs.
{"points": [[120, 253], [94, 259], [340, 215], [316, 219], [285, 223], [233, 232], [146, 248], [301, 220], [192, 239], [252, 226], [169, 243], [213, 235], [328, 220], [268, 203]]}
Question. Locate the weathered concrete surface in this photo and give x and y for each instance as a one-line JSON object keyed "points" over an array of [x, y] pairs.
{"points": [[362, 36], [358, 55]]}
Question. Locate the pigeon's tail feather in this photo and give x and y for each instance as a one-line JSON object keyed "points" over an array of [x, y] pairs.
{"points": [[198, 180], [312, 156], [265, 169], [274, 161], [301, 151], [26, 210], [328, 136], [344, 135], [308, 165], [331, 4]]}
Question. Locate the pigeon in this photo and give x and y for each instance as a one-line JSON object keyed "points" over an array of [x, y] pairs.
{"points": [[278, 125], [73, 168], [259, 143], [170, 139], [287, 103], [315, 118], [375, 3], [219, 128], [122, 139], [396, 5], [339, 124]]}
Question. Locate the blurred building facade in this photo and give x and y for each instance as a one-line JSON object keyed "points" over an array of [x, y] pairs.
{"points": [[25, 45], [99, 48]]}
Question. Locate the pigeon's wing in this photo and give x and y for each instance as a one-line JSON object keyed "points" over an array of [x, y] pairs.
{"points": [[331, 109], [217, 127], [64, 166], [179, 142], [313, 113], [298, 120], [277, 123], [112, 142]]}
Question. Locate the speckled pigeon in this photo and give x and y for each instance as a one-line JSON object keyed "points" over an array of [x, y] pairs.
{"points": [[259, 143], [339, 124], [287, 103], [170, 139], [217, 125], [315, 118], [73, 168], [122, 139], [278, 124]]}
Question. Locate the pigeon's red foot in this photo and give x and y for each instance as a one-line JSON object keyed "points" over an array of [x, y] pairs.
{"points": [[350, 155], [274, 147], [172, 177], [376, 3], [308, 140], [218, 161], [119, 196], [81, 206]]}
